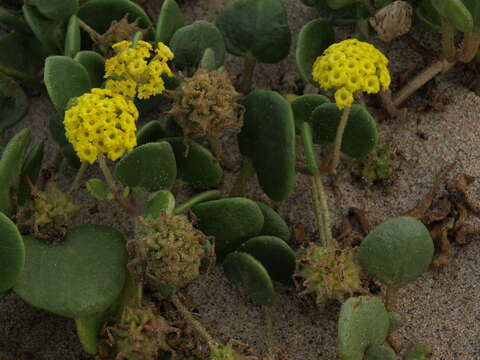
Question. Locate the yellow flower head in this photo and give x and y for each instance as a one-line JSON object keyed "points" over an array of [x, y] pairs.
{"points": [[101, 121], [351, 66], [133, 72]]}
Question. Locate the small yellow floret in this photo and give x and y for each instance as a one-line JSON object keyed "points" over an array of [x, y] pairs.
{"points": [[133, 71], [351, 66], [101, 122]]}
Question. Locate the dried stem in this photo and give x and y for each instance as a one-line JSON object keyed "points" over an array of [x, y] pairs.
{"points": [[471, 42], [448, 41], [246, 172], [78, 178]]}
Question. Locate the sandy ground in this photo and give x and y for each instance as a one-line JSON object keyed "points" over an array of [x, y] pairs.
{"points": [[441, 308]]}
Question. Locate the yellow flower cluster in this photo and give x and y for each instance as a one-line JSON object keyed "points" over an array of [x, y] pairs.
{"points": [[133, 74], [351, 67], [101, 122]]}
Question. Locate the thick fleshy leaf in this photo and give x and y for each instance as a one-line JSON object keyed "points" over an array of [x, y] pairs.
{"points": [[150, 132], [360, 136], [456, 14], [12, 253], [13, 102], [65, 78], [273, 224], [231, 221], [170, 19], [397, 251], [49, 32], [98, 189], [244, 270], [428, 15], [57, 131], [363, 322], [303, 107], [380, 352], [418, 352], [13, 21], [199, 167], [151, 166], [313, 39], [341, 17], [56, 9], [79, 277], [22, 56], [72, 37], [30, 171], [273, 253], [208, 60], [94, 63], [338, 4], [256, 28], [268, 139], [190, 42], [161, 201], [11, 167], [473, 7]]}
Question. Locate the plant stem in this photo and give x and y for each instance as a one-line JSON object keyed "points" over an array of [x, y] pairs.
{"points": [[197, 326], [248, 69], [78, 177], [270, 339], [333, 162], [439, 66], [139, 294], [391, 298], [205, 196], [471, 42], [246, 172], [95, 36], [448, 41], [217, 149], [323, 207], [317, 210]]}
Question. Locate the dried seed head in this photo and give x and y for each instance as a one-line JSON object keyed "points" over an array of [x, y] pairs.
{"points": [[170, 249], [225, 352], [206, 104], [393, 20], [329, 273]]}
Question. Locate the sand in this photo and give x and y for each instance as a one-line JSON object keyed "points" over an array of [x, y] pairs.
{"points": [[441, 308]]}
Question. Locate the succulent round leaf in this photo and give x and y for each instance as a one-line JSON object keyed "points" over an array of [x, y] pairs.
{"points": [[397, 251], [256, 28], [303, 107], [418, 352], [56, 9], [338, 17], [273, 223], [98, 189], [428, 15], [94, 63], [244, 270], [380, 352], [190, 42], [273, 253], [72, 37], [199, 167], [57, 131], [151, 166], [170, 19], [150, 132], [22, 56], [313, 39], [338, 4], [79, 277], [363, 322], [360, 136], [11, 167], [161, 201], [49, 32], [231, 221], [396, 321], [456, 13], [473, 7], [12, 253], [267, 138], [13, 102], [88, 328], [13, 22], [65, 78]]}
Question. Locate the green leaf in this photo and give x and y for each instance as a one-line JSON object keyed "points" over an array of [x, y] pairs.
{"points": [[341, 17], [268, 139], [13, 21], [273, 253], [79, 277], [380, 352], [30, 170], [199, 168], [151, 166], [49, 32], [303, 107], [72, 38], [150, 132], [65, 78], [11, 167], [397, 251], [313, 39], [244, 270], [94, 63], [56, 9], [360, 136], [22, 56], [98, 189], [57, 131], [208, 60], [88, 328], [338, 4], [12, 253], [456, 14], [161, 201], [273, 224], [418, 352], [170, 19], [13, 102], [231, 221], [363, 322], [256, 28], [190, 42], [473, 7]]}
